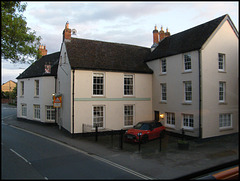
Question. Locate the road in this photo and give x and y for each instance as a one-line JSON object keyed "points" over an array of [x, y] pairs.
{"points": [[29, 156]]}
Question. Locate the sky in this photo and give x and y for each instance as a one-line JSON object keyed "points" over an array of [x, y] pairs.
{"points": [[127, 22]]}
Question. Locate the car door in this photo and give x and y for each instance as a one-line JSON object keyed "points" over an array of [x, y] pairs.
{"points": [[154, 131]]}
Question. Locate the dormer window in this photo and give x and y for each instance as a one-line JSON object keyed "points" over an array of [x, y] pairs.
{"points": [[47, 68]]}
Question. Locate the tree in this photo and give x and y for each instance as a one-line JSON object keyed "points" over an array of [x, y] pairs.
{"points": [[18, 43]]}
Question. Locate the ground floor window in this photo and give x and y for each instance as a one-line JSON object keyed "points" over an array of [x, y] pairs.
{"points": [[98, 116], [24, 109], [170, 119], [225, 120], [50, 111], [128, 115], [36, 109], [188, 121]]}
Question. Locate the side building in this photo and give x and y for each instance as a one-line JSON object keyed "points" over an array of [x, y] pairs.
{"points": [[195, 80], [35, 88]]}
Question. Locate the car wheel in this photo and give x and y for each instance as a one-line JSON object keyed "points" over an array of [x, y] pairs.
{"points": [[144, 139]]}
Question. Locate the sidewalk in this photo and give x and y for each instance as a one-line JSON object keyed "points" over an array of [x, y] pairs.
{"points": [[170, 163]]}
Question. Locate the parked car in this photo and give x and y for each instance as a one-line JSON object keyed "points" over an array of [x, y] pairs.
{"points": [[146, 130]]}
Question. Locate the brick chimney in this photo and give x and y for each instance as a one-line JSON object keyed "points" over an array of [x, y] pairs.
{"points": [[67, 32], [42, 50], [155, 35], [167, 34], [161, 34]]}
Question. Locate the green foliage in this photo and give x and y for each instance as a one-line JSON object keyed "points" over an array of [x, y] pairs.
{"points": [[18, 43]]}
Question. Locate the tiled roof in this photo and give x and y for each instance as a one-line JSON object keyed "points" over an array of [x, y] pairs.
{"points": [[189, 40], [37, 69], [98, 55]]}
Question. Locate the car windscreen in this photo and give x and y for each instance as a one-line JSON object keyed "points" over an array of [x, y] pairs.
{"points": [[142, 126]]}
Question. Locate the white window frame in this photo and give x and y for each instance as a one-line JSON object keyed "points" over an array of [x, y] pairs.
{"points": [[221, 62], [94, 77], [96, 118], [170, 119], [65, 57], [129, 115], [128, 87], [187, 92], [50, 113], [222, 92], [37, 111], [163, 92], [225, 120], [22, 88], [24, 110], [163, 66], [186, 63], [36, 85], [188, 121]]}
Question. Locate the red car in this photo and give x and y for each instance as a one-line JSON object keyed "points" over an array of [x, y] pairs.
{"points": [[147, 130]]}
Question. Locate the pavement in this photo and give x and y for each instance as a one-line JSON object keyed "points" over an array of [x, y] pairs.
{"points": [[167, 163]]}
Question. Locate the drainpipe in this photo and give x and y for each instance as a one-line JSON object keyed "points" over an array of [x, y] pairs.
{"points": [[73, 104], [200, 92]]}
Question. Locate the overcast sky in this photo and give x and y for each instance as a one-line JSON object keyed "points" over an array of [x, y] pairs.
{"points": [[120, 22]]}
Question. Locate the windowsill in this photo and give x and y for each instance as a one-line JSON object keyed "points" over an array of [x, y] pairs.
{"points": [[21, 96], [36, 97], [188, 129], [170, 126], [222, 71], [98, 96], [162, 74], [162, 102], [128, 96], [226, 129], [222, 103], [187, 103], [187, 71]]}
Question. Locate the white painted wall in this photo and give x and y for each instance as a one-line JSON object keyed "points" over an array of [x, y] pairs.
{"points": [[46, 89], [224, 41], [174, 79], [64, 87], [114, 109]]}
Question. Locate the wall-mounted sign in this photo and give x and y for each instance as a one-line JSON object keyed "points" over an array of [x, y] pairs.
{"points": [[57, 101]]}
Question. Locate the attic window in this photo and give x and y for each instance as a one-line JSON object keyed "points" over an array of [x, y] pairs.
{"points": [[47, 68]]}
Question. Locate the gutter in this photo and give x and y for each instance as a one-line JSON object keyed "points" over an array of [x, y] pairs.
{"points": [[73, 104], [200, 92]]}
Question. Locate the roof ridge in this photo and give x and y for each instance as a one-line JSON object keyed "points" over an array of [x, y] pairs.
{"points": [[103, 41]]}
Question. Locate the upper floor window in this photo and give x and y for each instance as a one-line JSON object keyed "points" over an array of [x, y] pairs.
{"points": [[187, 63], [188, 91], [128, 84], [22, 88], [222, 91], [98, 84], [65, 57], [221, 62], [36, 87], [163, 66], [60, 60]]}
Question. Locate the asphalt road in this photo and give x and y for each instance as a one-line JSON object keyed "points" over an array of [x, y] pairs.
{"points": [[29, 156]]}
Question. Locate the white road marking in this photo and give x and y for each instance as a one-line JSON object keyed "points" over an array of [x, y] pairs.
{"points": [[86, 153], [20, 156]]}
